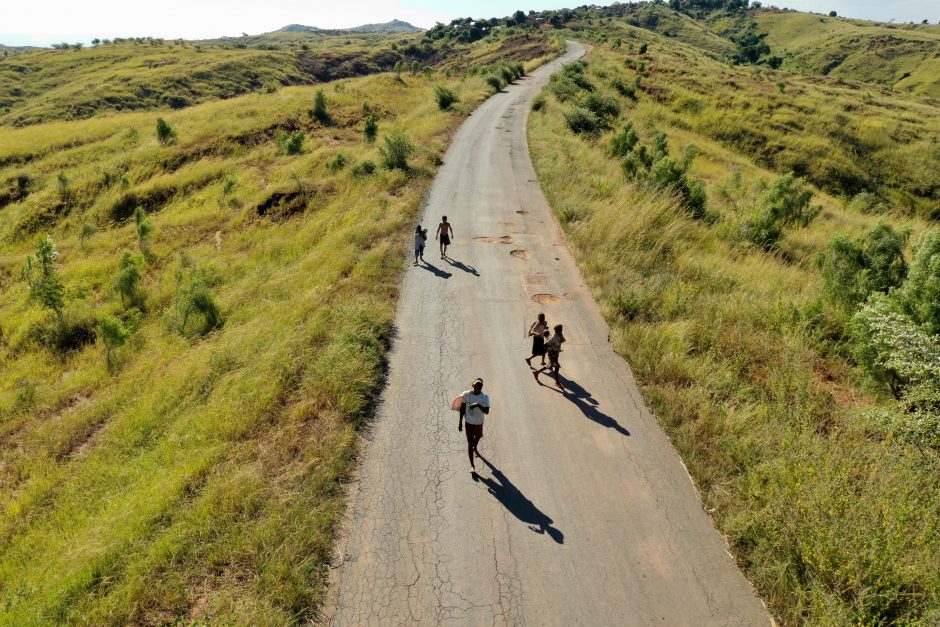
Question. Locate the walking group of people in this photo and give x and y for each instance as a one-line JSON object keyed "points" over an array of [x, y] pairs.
{"points": [[444, 232], [473, 404]]}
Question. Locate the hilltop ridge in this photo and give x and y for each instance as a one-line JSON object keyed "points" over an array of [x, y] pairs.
{"points": [[392, 26]]}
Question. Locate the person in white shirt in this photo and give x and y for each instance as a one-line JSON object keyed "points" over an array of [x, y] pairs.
{"points": [[475, 406]]}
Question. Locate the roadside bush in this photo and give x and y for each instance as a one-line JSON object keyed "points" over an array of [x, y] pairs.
{"points": [[397, 149], [495, 82], [538, 103], [507, 74], [785, 203], [290, 143], [363, 168], [583, 121], [445, 97], [604, 107], [165, 133]]}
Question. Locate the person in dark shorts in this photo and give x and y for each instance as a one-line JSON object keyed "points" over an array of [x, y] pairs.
{"points": [[537, 332], [553, 350], [421, 236], [444, 233], [475, 406]]}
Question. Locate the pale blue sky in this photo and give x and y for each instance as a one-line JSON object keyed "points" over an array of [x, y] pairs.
{"points": [[42, 22]]}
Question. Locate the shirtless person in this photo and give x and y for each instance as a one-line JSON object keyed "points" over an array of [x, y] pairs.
{"points": [[475, 405], [444, 233], [553, 349]]}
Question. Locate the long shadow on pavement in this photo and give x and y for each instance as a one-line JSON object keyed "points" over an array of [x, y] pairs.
{"points": [[583, 400], [461, 266], [436, 271], [517, 504]]}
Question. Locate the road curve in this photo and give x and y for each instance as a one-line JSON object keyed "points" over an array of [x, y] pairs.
{"points": [[585, 514]]}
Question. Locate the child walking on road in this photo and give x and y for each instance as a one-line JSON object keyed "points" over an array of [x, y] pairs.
{"points": [[475, 405], [421, 236], [538, 331], [553, 350]]}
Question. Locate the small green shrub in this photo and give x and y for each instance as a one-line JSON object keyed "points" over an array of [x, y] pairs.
{"points": [[538, 103], [583, 121], [921, 292], [320, 112], [371, 128], [290, 143], [337, 163], [786, 202], [604, 107], [165, 133], [41, 275], [397, 149], [495, 82], [128, 278], [868, 203], [625, 90], [445, 97], [113, 334], [363, 168]]}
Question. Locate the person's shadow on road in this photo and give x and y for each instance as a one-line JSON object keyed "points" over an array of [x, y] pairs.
{"points": [[461, 266], [517, 503], [436, 271], [583, 400]]}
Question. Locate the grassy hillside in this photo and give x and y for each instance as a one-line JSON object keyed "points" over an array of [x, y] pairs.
{"points": [[45, 85], [903, 57], [177, 421], [740, 350]]}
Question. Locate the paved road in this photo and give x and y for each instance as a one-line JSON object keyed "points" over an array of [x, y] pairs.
{"points": [[584, 514]]}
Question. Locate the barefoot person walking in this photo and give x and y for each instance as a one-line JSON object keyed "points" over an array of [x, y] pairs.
{"points": [[537, 332], [421, 236], [553, 350], [475, 405], [444, 233]]}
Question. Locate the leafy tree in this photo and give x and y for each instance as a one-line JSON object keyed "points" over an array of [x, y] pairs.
{"points": [[113, 334], [921, 292], [40, 273], [165, 133], [785, 203], [397, 149], [95, 42], [371, 128], [319, 111], [854, 269], [445, 97], [518, 19], [833, 14]]}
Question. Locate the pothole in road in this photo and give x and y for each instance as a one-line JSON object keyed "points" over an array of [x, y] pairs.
{"points": [[545, 299], [519, 254], [501, 239], [522, 212]]}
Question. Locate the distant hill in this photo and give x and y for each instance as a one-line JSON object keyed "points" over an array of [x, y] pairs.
{"points": [[395, 26], [895, 55]]}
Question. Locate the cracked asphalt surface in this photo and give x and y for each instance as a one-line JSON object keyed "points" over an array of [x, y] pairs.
{"points": [[583, 513]]}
